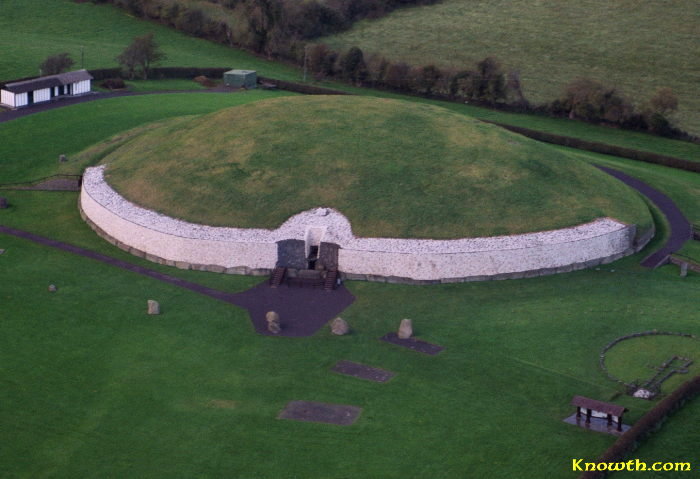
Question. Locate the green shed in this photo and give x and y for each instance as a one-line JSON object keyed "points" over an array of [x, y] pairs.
{"points": [[241, 78]]}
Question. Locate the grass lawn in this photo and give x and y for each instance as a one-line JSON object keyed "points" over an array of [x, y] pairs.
{"points": [[635, 360], [634, 47], [438, 175], [574, 128], [97, 387], [93, 387], [683, 187], [101, 32], [691, 250], [163, 85], [24, 159]]}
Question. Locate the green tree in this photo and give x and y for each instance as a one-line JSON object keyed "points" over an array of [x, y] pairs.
{"points": [[352, 66], [55, 64], [140, 55]]}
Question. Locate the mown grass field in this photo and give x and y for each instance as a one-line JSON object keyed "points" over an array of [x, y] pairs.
{"points": [[97, 387], [635, 360], [93, 387], [438, 175], [635, 47], [574, 128]]}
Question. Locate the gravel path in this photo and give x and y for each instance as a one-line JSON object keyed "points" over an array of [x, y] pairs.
{"points": [[681, 231], [302, 311]]}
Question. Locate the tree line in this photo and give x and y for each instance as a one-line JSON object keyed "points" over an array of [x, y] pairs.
{"points": [[284, 29], [488, 83]]}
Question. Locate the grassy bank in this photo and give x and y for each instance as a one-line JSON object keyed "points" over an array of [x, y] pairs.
{"points": [[24, 159]]}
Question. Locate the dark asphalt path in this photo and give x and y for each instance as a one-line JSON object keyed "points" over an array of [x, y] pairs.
{"points": [[60, 103], [681, 231], [302, 311]]}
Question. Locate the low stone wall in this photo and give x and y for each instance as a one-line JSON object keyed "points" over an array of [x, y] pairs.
{"points": [[166, 240]]}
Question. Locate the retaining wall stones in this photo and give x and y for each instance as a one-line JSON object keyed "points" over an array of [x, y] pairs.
{"points": [[169, 241]]}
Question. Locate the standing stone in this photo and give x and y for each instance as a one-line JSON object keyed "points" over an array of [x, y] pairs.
{"points": [[405, 329], [340, 327], [62, 158], [2, 251], [153, 307], [3, 203], [273, 322], [52, 288], [684, 270]]}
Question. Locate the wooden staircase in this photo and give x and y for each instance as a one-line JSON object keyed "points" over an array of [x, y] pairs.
{"points": [[277, 276]]}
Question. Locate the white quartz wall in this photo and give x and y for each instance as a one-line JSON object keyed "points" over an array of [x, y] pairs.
{"points": [[492, 262], [179, 241]]}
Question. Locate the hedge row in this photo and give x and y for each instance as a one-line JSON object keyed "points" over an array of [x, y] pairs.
{"points": [[300, 87], [217, 72], [164, 72], [604, 149], [649, 423]]}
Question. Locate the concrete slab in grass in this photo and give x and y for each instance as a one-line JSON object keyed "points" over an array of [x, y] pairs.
{"points": [[363, 371], [338, 414]]}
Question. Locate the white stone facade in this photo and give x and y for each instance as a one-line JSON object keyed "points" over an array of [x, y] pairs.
{"points": [[180, 242]]}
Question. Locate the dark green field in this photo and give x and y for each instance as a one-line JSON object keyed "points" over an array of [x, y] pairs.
{"points": [[97, 34], [97, 387], [635, 47], [94, 387]]}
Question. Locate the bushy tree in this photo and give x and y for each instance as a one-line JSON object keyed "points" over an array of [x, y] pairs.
{"points": [[376, 69], [590, 100], [485, 83], [55, 64], [661, 106], [489, 81], [140, 55], [352, 65], [397, 76], [426, 78], [320, 60], [263, 18], [514, 86]]}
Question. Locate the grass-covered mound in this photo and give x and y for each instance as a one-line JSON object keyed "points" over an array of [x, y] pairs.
{"points": [[394, 168]]}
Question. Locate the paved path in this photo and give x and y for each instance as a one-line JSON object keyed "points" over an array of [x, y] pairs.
{"points": [[681, 231], [60, 103], [302, 311]]}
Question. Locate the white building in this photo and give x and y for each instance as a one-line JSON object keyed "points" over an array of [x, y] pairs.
{"points": [[20, 93]]}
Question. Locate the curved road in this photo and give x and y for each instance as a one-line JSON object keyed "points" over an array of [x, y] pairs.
{"points": [[681, 231]]}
